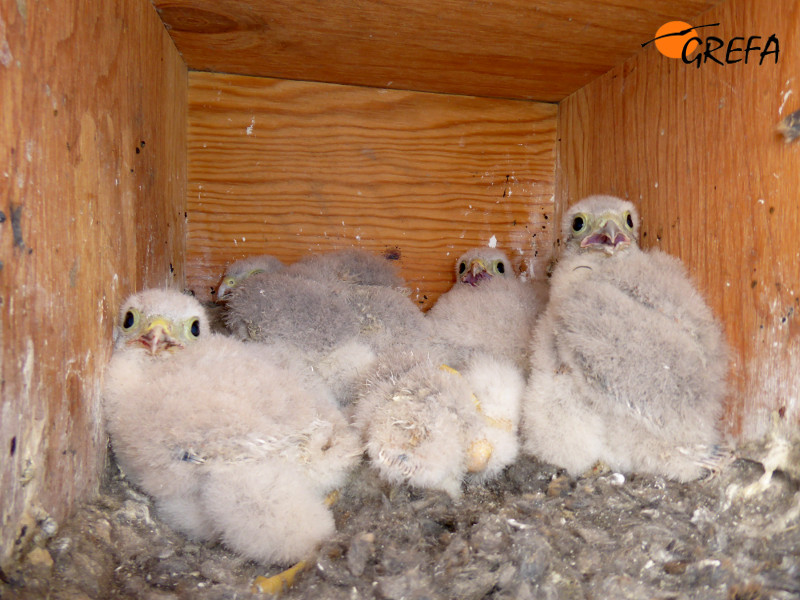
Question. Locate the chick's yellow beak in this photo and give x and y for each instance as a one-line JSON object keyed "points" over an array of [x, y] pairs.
{"points": [[475, 272], [157, 337], [609, 237]]}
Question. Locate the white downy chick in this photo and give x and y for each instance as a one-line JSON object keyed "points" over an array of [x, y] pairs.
{"points": [[628, 364], [428, 425], [235, 442], [489, 309]]}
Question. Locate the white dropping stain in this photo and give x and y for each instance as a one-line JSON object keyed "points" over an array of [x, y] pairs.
{"points": [[27, 365], [761, 201], [656, 185], [493, 242], [785, 96], [251, 126], [6, 58], [244, 239], [358, 238]]}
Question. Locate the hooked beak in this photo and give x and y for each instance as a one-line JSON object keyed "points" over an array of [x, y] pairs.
{"points": [[476, 272], [224, 289], [157, 337], [610, 238]]}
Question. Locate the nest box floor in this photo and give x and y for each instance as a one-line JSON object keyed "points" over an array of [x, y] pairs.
{"points": [[532, 533]]}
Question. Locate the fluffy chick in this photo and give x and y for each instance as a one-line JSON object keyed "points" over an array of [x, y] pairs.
{"points": [[351, 265], [240, 270], [236, 442], [428, 425], [341, 309], [373, 290], [280, 307], [628, 364], [488, 309]]}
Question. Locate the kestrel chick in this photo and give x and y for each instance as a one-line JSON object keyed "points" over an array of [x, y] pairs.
{"points": [[488, 309], [628, 364], [242, 269], [235, 442]]}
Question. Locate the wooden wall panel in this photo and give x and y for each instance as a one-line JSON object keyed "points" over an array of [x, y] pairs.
{"points": [[526, 49], [289, 168], [92, 196], [697, 151]]}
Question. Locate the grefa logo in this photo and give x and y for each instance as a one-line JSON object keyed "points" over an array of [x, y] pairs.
{"points": [[677, 39]]}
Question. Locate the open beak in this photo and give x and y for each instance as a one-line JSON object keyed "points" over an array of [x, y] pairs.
{"points": [[609, 238], [476, 272], [157, 337]]}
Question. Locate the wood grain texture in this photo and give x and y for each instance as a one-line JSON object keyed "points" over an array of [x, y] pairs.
{"points": [[92, 188], [290, 168], [526, 49], [697, 151]]}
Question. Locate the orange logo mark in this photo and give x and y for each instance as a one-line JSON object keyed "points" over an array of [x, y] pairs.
{"points": [[672, 37]]}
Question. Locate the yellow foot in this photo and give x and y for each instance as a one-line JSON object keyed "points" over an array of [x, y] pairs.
{"points": [[331, 498], [278, 584], [478, 455]]}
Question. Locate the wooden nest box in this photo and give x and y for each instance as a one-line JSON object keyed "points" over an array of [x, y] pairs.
{"points": [[151, 143]]}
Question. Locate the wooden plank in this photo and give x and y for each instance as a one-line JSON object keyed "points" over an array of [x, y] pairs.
{"points": [[289, 168], [93, 148], [696, 149], [526, 49]]}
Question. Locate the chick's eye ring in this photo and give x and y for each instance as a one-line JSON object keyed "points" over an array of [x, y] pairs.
{"points": [[501, 268], [129, 320], [194, 328], [462, 267], [629, 219], [578, 223]]}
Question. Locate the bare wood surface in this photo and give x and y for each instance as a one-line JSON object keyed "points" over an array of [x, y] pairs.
{"points": [[526, 49], [290, 168], [93, 148], [696, 149]]}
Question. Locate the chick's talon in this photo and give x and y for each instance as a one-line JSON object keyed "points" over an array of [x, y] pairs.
{"points": [[279, 583]]}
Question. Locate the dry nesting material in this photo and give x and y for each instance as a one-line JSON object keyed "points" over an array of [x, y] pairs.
{"points": [[532, 533]]}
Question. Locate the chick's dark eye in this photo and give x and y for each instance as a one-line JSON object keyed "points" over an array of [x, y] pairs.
{"points": [[462, 267], [629, 220], [195, 328], [577, 224], [128, 321], [501, 268]]}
